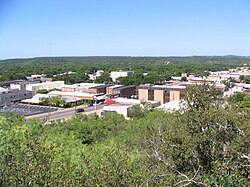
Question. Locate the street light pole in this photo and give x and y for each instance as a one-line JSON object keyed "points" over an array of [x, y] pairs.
{"points": [[95, 102], [75, 104], [49, 109]]}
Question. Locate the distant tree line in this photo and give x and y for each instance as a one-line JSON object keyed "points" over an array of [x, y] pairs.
{"points": [[159, 69]]}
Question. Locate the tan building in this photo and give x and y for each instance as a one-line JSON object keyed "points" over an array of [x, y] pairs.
{"points": [[85, 87], [44, 86], [161, 93]]}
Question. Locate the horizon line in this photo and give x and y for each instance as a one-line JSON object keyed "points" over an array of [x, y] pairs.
{"points": [[140, 56]]}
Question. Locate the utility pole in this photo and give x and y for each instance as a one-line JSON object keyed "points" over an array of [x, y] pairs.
{"points": [[95, 102], [75, 104]]}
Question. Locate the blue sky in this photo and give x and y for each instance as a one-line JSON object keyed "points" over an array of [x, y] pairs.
{"points": [[31, 28]]}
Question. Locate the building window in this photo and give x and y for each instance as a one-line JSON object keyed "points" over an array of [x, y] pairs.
{"points": [[151, 95], [166, 96]]}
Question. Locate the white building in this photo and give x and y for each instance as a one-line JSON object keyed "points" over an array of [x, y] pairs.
{"points": [[19, 85], [82, 95], [122, 109], [93, 76], [122, 105], [44, 86], [116, 74], [3, 90], [173, 106], [37, 99]]}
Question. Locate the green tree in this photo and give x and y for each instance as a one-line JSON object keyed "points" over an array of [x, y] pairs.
{"points": [[186, 148], [42, 91], [104, 78], [56, 101], [184, 79], [136, 112], [247, 79]]}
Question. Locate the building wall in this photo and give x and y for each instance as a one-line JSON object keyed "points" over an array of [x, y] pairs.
{"points": [[97, 90], [116, 74], [112, 90], [44, 86], [15, 86], [174, 95], [166, 96], [127, 91], [116, 92], [68, 89], [18, 86], [184, 75], [109, 90], [123, 110], [143, 94], [7, 83], [159, 96], [13, 97]]}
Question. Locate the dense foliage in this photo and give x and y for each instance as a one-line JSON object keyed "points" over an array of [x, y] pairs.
{"points": [[242, 100], [208, 145], [159, 69], [55, 101]]}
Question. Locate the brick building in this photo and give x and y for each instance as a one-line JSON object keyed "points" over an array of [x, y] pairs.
{"points": [[85, 87], [161, 93], [121, 91]]}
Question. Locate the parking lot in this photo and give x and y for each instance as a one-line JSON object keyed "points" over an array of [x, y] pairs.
{"points": [[28, 110]]}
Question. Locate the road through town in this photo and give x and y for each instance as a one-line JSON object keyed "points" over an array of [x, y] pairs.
{"points": [[64, 113]]}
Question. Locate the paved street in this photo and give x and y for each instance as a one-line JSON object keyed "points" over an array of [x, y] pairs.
{"points": [[64, 113]]}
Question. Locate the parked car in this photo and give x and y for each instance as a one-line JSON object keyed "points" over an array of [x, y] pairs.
{"points": [[80, 110]]}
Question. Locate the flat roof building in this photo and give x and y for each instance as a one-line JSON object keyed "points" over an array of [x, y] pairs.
{"points": [[122, 105], [82, 95], [8, 83], [3, 90], [121, 91], [44, 86], [116, 74], [161, 93], [20, 85], [85, 87], [14, 96], [37, 99]]}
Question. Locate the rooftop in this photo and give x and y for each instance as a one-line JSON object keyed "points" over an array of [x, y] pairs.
{"points": [[37, 97], [75, 94], [87, 85], [115, 86], [173, 105], [47, 83], [3, 90]]}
